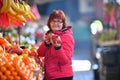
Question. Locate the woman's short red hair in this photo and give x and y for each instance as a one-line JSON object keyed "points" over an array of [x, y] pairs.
{"points": [[57, 14]]}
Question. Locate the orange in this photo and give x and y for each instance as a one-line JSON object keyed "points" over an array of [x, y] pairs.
{"points": [[22, 64], [7, 73], [17, 60], [3, 61], [18, 68], [17, 78], [9, 56], [6, 45], [8, 64], [1, 49], [10, 77], [2, 40], [11, 68], [1, 73], [31, 75], [25, 51], [26, 60], [21, 73], [3, 77], [25, 78], [27, 73], [3, 69], [14, 73], [33, 51]]}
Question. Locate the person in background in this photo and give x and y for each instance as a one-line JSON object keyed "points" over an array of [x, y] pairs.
{"points": [[57, 48]]}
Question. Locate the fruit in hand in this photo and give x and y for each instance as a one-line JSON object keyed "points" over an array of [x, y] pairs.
{"points": [[56, 38]]}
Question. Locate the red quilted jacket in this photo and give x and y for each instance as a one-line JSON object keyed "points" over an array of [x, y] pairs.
{"points": [[58, 63]]}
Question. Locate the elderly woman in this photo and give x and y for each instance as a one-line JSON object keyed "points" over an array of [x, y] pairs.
{"points": [[57, 48]]}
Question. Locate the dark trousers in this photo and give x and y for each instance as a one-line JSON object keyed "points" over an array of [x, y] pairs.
{"points": [[65, 78]]}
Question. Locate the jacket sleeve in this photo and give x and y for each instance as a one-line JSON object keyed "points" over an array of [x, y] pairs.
{"points": [[66, 51], [42, 48]]}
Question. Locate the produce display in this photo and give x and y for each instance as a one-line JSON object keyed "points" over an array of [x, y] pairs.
{"points": [[17, 63], [107, 35], [13, 67]]}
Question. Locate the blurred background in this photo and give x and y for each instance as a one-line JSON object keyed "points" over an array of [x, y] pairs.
{"points": [[96, 31]]}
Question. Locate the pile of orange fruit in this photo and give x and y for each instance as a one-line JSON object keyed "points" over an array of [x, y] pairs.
{"points": [[14, 67]]}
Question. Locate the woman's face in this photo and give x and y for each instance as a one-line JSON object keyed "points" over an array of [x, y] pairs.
{"points": [[56, 24]]}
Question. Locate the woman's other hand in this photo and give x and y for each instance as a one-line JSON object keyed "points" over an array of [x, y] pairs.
{"points": [[56, 40], [48, 38]]}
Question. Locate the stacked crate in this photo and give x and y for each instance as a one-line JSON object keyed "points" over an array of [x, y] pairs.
{"points": [[109, 69]]}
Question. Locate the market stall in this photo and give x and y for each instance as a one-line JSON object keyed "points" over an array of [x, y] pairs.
{"points": [[107, 43], [17, 62]]}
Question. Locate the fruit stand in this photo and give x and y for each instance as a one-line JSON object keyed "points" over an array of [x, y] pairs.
{"points": [[106, 44], [17, 62], [109, 33]]}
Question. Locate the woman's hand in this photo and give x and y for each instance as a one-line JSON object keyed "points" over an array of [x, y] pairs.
{"points": [[53, 38], [56, 40], [48, 38]]}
